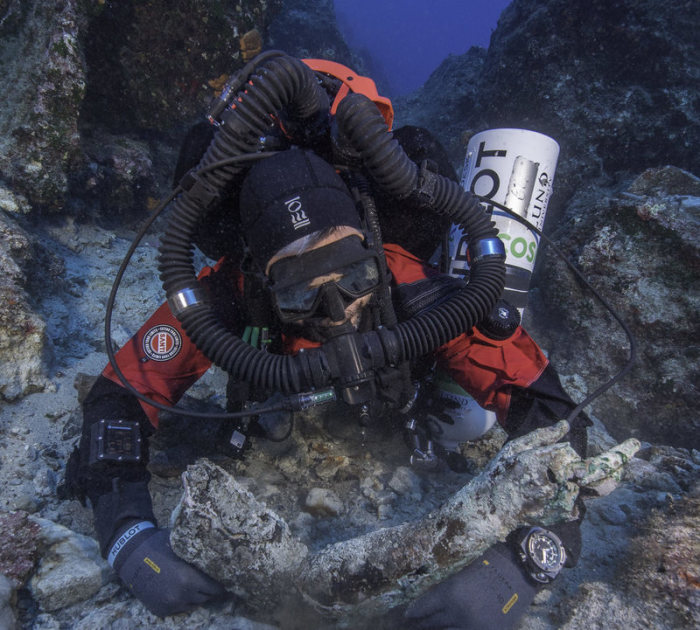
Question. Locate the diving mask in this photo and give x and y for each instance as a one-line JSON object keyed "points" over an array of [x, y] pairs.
{"points": [[352, 270]]}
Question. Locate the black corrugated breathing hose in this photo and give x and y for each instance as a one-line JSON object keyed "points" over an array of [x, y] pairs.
{"points": [[280, 83]]}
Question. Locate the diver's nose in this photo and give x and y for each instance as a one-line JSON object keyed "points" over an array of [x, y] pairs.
{"points": [[332, 303]]}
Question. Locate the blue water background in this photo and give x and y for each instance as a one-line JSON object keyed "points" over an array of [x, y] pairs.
{"points": [[406, 40]]}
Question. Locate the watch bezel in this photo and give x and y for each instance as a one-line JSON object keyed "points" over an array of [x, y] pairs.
{"points": [[537, 572]]}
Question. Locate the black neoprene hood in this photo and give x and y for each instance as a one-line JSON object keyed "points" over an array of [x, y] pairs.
{"points": [[290, 195]]}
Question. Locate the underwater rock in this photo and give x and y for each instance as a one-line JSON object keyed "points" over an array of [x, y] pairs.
{"points": [[120, 177], [446, 103], [665, 563], [13, 203], [164, 52], [233, 536], [308, 29], [251, 44], [70, 570], [640, 251], [614, 83], [70, 70], [7, 598], [323, 502], [19, 547], [224, 530], [42, 83], [670, 197], [22, 330], [654, 576]]}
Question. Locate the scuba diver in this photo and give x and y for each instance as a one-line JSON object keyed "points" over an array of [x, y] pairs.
{"points": [[320, 296]]}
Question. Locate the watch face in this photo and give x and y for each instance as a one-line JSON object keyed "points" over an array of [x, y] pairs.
{"points": [[544, 551]]}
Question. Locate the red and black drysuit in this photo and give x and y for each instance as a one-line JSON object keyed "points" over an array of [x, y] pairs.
{"points": [[511, 377]]}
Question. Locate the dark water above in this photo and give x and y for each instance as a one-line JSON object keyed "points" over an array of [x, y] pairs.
{"points": [[407, 40]]}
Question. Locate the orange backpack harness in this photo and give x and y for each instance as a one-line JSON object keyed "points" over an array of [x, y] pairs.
{"points": [[352, 82]]}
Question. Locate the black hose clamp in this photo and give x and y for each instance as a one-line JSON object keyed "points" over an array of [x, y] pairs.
{"points": [[219, 103], [426, 185], [198, 189]]}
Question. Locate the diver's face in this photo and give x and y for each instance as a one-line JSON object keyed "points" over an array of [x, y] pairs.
{"points": [[322, 293]]}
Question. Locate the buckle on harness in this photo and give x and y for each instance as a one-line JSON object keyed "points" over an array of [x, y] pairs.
{"points": [[427, 183], [198, 188]]}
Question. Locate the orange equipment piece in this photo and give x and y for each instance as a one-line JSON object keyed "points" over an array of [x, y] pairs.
{"points": [[353, 82]]}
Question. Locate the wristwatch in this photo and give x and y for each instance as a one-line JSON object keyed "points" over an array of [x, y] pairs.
{"points": [[542, 553]]}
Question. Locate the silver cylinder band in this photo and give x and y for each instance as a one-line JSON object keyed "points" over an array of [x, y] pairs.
{"points": [[184, 299], [484, 248]]}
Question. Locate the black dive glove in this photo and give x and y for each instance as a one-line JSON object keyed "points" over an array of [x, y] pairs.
{"points": [[436, 414], [492, 593], [163, 582]]}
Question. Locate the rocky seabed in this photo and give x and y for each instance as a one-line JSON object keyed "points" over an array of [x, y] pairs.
{"points": [[325, 482], [83, 155]]}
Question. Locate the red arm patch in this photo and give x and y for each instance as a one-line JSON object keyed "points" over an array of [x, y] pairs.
{"points": [[160, 361]]}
